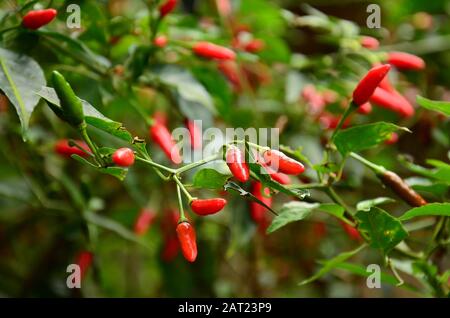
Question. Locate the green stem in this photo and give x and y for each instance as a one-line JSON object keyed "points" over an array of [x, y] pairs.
{"points": [[75, 144], [376, 168], [77, 57], [197, 164], [404, 250], [350, 109], [307, 186], [251, 144], [156, 165], [142, 113], [396, 274], [337, 199], [9, 29], [91, 145], [436, 238], [180, 206], [183, 188]]}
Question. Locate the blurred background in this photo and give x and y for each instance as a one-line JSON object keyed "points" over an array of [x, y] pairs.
{"points": [[40, 192]]}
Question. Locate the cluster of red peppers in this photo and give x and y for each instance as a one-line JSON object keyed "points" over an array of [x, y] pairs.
{"points": [[370, 91], [373, 87]]}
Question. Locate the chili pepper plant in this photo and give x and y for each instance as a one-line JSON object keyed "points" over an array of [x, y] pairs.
{"points": [[115, 154]]}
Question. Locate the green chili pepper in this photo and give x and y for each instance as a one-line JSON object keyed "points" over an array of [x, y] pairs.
{"points": [[71, 106]]}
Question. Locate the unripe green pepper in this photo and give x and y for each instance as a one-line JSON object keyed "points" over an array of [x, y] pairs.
{"points": [[71, 105]]}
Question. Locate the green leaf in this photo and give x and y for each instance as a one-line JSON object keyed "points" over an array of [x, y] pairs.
{"points": [[380, 229], [77, 49], [111, 127], [235, 187], [429, 273], [84, 161], [438, 106], [15, 189], [113, 226], [217, 86], [332, 263], [333, 209], [297, 210], [291, 212], [441, 172], [436, 188], [210, 179], [268, 182], [92, 116], [106, 151], [119, 173], [20, 76], [427, 210], [364, 136], [362, 271], [192, 97], [366, 205]]}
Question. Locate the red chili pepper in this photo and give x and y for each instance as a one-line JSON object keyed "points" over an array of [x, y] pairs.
{"points": [[405, 61], [236, 162], [285, 164], [254, 46], [145, 218], [257, 211], [315, 100], [370, 42], [393, 101], [330, 121], [160, 41], [207, 206], [401, 188], [329, 96], [213, 51], [230, 70], [195, 134], [63, 148], [224, 7], [35, 19], [277, 176], [162, 137], [365, 108], [123, 157], [170, 248], [84, 260], [187, 239], [169, 220], [281, 178], [386, 84], [369, 83], [160, 117], [351, 231], [392, 140], [4, 103], [167, 7], [319, 229]]}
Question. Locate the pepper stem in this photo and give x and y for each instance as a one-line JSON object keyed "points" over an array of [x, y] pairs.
{"points": [[376, 168], [351, 108], [92, 145], [183, 188], [197, 164], [180, 206]]}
